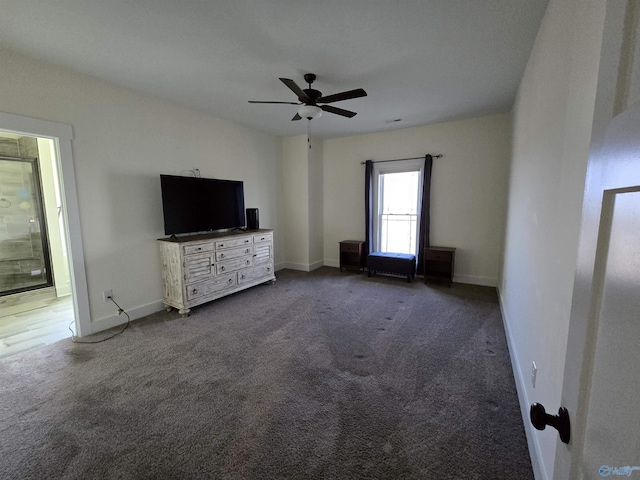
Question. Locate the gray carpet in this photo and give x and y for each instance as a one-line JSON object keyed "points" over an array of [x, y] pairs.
{"points": [[323, 375]]}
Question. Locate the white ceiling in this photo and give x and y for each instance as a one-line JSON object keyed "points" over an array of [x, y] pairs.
{"points": [[422, 61]]}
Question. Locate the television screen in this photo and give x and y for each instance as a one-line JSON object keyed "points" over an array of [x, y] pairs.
{"points": [[193, 205]]}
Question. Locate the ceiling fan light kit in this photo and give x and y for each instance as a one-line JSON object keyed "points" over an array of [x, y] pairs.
{"points": [[310, 111], [309, 99]]}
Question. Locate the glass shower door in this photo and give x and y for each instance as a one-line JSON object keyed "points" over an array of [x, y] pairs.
{"points": [[24, 254]]}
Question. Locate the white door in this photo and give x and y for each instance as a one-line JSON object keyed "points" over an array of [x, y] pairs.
{"points": [[601, 386]]}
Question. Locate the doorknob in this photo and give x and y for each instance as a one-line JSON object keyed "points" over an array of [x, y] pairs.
{"points": [[540, 419]]}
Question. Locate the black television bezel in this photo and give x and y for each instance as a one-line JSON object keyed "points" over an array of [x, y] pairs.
{"points": [[195, 204]]}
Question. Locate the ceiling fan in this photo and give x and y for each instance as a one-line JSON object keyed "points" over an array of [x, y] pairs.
{"points": [[310, 98]]}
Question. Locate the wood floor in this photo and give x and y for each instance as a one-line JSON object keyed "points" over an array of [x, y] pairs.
{"points": [[36, 328]]}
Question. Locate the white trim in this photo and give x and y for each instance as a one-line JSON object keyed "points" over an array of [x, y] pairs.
{"points": [[383, 168], [135, 313], [304, 267], [533, 440], [316, 265], [476, 280], [62, 136]]}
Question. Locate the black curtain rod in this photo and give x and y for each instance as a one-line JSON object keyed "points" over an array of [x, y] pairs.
{"points": [[400, 159]]}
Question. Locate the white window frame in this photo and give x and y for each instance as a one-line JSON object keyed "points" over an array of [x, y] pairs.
{"points": [[383, 168]]}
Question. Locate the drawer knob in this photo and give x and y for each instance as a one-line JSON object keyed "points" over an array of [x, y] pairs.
{"points": [[230, 280], [221, 245], [246, 251], [242, 276], [222, 269], [222, 255], [194, 291], [199, 248], [247, 262], [268, 269]]}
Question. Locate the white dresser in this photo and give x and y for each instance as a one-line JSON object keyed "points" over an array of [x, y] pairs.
{"points": [[200, 268]]}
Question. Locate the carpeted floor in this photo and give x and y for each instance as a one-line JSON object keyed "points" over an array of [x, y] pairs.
{"points": [[323, 375]]}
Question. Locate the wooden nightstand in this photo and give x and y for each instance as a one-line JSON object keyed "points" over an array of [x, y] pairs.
{"points": [[352, 254], [438, 264]]}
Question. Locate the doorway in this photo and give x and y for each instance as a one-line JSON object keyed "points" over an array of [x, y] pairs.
{"points": [[56, 139], [35, 303]]}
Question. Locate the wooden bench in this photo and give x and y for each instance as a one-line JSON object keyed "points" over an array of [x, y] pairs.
{"points": [[392, 263]]}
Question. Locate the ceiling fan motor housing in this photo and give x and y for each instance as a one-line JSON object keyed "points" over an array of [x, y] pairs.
{"points": [[313, 95]]}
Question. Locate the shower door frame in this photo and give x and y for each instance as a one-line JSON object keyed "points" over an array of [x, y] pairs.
{"points": [[44, 238]]}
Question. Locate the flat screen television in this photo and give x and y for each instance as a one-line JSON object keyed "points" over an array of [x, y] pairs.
{"points": [[192, 205]]}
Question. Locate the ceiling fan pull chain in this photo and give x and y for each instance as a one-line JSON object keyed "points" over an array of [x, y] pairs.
{"points": [[309, 132]]}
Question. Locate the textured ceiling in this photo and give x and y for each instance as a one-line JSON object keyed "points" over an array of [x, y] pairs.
{"points": [[422, 61]]}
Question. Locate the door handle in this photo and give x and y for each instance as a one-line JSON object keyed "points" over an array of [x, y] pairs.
{"points": [[540, 419]]}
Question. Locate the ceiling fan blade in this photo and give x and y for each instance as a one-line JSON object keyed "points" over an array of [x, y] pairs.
{"points": [[296, 117], [288, 103], [338, 111], [336, 97], [295, 89]]}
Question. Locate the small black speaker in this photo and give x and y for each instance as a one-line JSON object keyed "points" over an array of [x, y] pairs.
{"points": [[253, 219]]}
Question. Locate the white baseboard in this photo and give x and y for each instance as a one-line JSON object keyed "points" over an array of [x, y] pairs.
{"points": [[539, 470], [316, 265], [135, 313], [304, 267], [476, 280], [63, 290]]}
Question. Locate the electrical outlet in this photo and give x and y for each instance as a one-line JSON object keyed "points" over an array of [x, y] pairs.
{"points": [[106, 295], [534, 372]]}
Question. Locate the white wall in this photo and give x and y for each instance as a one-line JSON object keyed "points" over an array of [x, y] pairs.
{"points": [[122, 142], [301, 188], [469, 188], [316, 204], [553, 116], [294, 167]]}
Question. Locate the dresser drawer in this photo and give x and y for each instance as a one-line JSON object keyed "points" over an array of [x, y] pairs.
{"points": [[438, 255], [234, 253], [198, 248], [349, 247], [214, 285], [233, 242], [255, 273], [231, 265], [265, 237]]}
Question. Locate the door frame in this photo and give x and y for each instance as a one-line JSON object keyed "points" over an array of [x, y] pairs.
{"points": [[613, 99], [62, 136]]}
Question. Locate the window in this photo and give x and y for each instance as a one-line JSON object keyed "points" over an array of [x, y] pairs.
{"points": [[396, 200]]}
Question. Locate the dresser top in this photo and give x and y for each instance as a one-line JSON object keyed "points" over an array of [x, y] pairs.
{"points": [[213, 235], [442, 249]]}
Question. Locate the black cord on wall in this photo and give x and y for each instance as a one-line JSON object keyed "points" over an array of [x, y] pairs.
{"points": [[120, 310]]}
